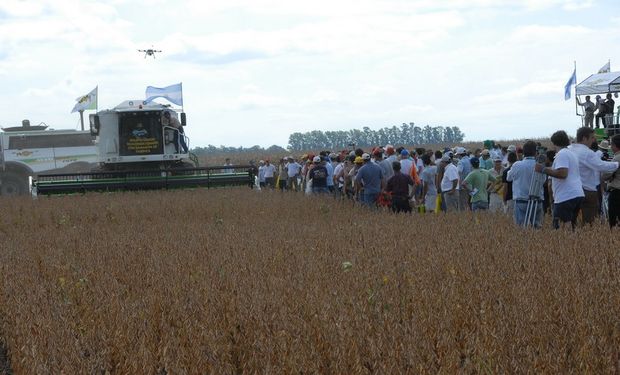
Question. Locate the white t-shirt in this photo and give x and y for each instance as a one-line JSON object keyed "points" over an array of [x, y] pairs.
{"points": [[269, 170], [450, 174], [405, 166], [570, 187], [293, 169], [337, 171]]}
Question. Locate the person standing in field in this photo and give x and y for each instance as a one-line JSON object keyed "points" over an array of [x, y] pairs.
{"points": [[350, 178], [387, 162], [521, 174], [318, 175], [406, 163], [399, 186], [613, 185], [282, 174], [496, 191], [429, 189], [486, 162], [508, 195], [293, 170], [450, 184], [566, 186], [269, 171], [464, 168], [477, 182], [371, 178], [261, 174], [228, 164], [590, 168]]}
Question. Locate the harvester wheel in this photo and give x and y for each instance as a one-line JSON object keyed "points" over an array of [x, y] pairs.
{"points": [[13, 184]]}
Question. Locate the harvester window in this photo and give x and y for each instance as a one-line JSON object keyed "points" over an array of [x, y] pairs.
{"points": [[20, 142], [141, 133]]}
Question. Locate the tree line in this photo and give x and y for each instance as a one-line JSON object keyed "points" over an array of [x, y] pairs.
{"points": [[406, 134]]}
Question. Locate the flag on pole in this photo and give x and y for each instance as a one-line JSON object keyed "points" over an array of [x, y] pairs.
{"points": [[571, 81], [606, 68], [174, 93], [88, 101]]}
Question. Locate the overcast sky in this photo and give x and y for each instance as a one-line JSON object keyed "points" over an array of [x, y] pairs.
{"points": [[254, 71]]}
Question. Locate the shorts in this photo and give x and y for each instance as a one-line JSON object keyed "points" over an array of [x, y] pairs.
{"points": [[566, 212]]}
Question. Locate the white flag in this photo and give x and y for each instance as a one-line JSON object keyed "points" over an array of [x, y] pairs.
{"points": [[606, 68], [174, 93], [88, 101]]}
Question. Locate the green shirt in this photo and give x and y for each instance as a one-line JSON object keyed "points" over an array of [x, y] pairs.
{"points": [[479, 179]]}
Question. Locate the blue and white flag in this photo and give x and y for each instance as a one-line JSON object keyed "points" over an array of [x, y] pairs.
{"points": [[174, 93], [571, 81], [606, 68]]}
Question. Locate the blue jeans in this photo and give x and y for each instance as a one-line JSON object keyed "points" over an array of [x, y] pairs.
{"points": [[480, 205], [520, 209], [370, 199]]}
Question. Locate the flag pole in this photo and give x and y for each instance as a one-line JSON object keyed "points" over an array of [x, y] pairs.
{"points": [[576, 107], [82, 118]]}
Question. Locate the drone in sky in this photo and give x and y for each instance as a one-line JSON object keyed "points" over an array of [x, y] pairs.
{"points": [[149, 52]]}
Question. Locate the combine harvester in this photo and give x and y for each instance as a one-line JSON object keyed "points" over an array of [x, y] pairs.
{"points": [[139, 148]]}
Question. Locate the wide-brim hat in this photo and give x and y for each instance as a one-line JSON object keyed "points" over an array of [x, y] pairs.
{"points": [[604, 145]]}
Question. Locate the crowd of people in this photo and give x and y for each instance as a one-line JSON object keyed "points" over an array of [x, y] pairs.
{"points": [[575, 179]]}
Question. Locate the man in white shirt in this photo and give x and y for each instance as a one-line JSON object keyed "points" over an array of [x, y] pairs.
{"points": [[521, 174], [450, 184], [565, 181], [269, 171], [293, 168], [590, 168]]}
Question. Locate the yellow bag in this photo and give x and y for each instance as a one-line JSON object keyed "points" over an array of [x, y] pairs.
{"points": [[438, 204]]}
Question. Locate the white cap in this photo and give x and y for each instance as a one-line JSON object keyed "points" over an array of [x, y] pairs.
{"points": [[317, 159], [366, 156]]}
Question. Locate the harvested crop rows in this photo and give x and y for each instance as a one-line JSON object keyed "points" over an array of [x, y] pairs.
{"points": [[236, 281]]}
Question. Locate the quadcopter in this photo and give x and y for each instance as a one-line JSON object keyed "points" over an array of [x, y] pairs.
{"points": [[149, 52]]}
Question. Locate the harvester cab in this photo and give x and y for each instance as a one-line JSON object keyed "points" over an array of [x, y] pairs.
{"points": [[139, 133]]}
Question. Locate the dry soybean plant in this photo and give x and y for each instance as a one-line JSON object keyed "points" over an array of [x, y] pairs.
{"points": [[238, 281]]}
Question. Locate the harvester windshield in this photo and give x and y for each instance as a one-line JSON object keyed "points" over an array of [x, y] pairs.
{"points": [[140, 133]]}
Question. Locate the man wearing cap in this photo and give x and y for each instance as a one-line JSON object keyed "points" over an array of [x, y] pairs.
{"points": [[399, 186], [509, 149], [405, 162], [369, 177], [318, 176], [387, 162], [450, 184], [476, 183], [613, 185], [590, 168], [486, 162]]}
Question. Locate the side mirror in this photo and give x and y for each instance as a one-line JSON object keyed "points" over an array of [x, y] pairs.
{"points": [[94, 124], [183, 119]]}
